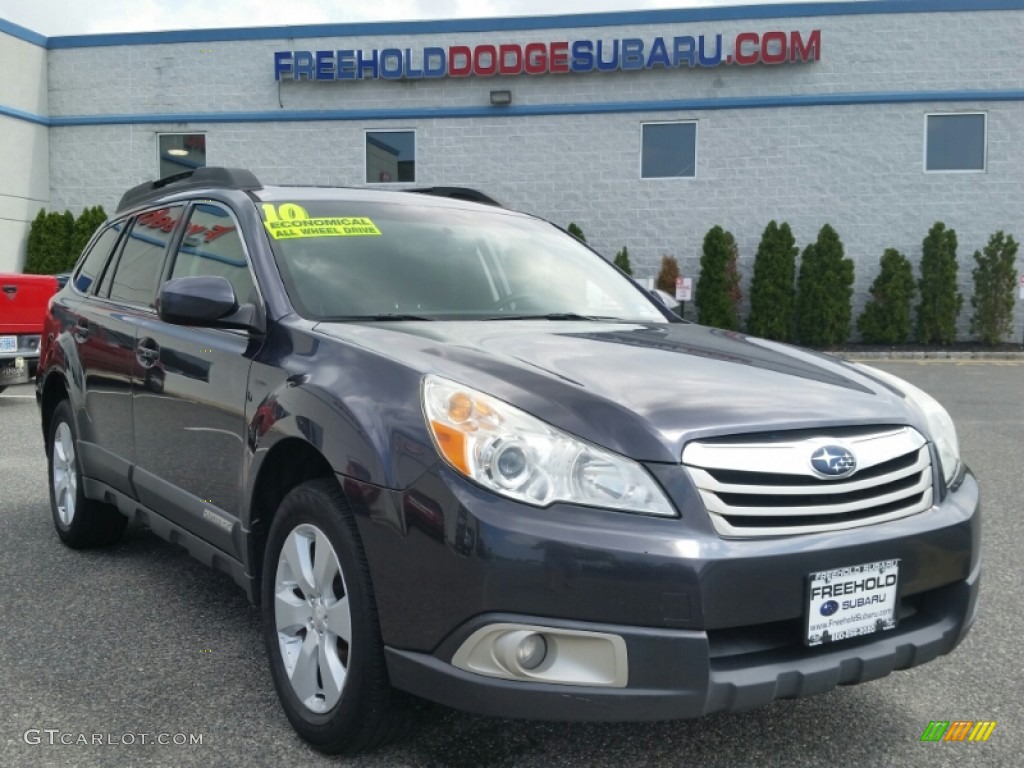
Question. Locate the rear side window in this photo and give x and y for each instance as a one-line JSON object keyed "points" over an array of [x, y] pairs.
{"points": [[92, 266], [138, 269], [212, 247]]}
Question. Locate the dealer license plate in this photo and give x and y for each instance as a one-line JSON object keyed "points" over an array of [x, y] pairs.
{"points": [[8, 343], [852, 601]]}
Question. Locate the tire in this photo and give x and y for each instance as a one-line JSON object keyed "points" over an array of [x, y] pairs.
{"points": [[316, 590], [80, 522]]}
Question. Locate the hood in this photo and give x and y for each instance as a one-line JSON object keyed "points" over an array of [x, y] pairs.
{"points": [[640, 390]]}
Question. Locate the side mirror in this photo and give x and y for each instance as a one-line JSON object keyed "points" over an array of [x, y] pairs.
{"points": [[205, 301]]}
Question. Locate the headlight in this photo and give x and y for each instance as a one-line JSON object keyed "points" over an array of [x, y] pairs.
{"points": [[940, 425], [518, 456]]}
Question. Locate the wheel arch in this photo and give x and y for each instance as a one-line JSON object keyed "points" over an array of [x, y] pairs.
{"points": [[55, 389], [289, 463]]}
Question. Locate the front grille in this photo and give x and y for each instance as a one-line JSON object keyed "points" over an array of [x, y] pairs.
{"points": [[759, 487]]}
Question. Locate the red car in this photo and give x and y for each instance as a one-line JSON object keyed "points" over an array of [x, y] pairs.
{"points": [[23, 302]]}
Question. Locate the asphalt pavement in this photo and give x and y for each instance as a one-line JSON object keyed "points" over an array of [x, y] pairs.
{"points": [[113, 652]]}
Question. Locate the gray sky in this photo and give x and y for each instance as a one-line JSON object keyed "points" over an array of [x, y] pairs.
{"points": [[77, 17]]}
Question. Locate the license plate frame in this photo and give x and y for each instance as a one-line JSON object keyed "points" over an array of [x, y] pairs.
{"points": [[851, 601]]}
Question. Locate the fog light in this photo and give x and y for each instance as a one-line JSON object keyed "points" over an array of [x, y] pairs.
{"points": [[531, 651]]}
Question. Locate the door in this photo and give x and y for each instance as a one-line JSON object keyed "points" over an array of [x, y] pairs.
{"points": [[104, 324], [189, 397]]}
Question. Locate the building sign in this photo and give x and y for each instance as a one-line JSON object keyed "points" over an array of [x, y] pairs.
{"points": [[627, 54]]}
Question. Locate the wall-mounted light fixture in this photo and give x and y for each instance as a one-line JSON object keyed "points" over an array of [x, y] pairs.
{"points": [[501, 98]]}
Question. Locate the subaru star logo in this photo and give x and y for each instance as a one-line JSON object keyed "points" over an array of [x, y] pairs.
{"points": [[829, 607], [833, 461]]}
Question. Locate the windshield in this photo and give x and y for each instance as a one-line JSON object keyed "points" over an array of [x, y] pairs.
{"points": [[351, 260]]}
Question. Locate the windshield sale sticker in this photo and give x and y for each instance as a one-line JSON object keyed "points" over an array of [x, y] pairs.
{"points": [[291, 221]]}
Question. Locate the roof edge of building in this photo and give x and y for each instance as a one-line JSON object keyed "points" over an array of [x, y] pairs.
{"points": [[511, 23]]}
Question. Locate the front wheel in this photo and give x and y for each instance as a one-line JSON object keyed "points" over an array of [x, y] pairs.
{"points": [[80, 522], [320, 625]]}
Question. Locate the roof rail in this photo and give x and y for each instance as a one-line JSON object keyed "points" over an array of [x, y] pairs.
{"points": [[231, 178], [458, 193]]}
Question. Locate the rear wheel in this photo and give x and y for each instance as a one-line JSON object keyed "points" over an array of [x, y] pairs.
{"points": [[320, 625], [80, 522]]}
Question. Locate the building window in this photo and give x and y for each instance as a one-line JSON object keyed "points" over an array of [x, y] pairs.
{"points": [[668, 150], [955, 142], [181, 152], [390, 156]]}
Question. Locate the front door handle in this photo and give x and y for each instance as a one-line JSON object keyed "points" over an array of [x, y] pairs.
{"points": [[81, 331]]}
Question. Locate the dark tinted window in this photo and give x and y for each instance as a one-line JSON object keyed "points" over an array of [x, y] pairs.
{"points": [[92, 265], [181, 152], [955, 143], [390, 156], [669, 150], [135, 276], [212, 246]]}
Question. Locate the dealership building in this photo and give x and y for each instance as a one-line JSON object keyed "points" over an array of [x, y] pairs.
{"points": [[645, 128]]}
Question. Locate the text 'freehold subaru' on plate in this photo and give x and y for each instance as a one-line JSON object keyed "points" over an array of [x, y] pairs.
{"points": [[453, 452]]}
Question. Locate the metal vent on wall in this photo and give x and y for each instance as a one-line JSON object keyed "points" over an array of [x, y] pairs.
{"points": [[757, 487]]}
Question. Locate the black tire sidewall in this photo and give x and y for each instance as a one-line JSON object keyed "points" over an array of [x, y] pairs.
{"points": [[313, 503]]}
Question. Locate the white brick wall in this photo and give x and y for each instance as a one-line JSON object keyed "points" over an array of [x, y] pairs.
{"points": [[858, 168], [24, 148]]}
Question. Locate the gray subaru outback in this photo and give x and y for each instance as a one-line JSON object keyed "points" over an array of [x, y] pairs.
{"points": [[452, 452]]}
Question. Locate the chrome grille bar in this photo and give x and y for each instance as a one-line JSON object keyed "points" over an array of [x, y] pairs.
{"points": [[767, 487]]}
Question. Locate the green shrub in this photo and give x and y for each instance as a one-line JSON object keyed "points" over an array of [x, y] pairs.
{"points": [[576, 232], [940, 300], [667, 276], [824, 291], [86, 224], [771, 288], [994, 280], [886, 318], [49, 243], [622, 261], [718, 285]]}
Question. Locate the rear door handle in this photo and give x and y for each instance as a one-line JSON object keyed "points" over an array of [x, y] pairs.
{"points": [[81, 332]]}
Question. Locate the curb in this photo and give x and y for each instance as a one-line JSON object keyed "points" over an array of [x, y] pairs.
{"points": [[937, 354]]}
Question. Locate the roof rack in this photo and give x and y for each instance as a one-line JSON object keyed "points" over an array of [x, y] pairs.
{"points": [[230, 178], [458, 193]]}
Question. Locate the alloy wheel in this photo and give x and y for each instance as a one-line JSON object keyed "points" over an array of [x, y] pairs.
{"points": [[65, 478], [313, 617]]}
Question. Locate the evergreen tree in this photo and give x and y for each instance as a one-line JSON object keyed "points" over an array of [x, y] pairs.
{"points": [[994, 280], [824, 292], [622, 261], [718, 284], [886, 318], [49, 243], [940, 300], [576, 232], [771, 289], [86, 224]]}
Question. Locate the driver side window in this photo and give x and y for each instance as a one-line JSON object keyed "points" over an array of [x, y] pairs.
{"points": [[212, 247]]}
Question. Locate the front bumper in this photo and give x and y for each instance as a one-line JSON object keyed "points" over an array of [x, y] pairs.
{"points": [[710, 624], [676, 674]]}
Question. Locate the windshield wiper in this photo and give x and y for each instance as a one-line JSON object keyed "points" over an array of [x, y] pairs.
{"points": [[384, 317], [550, 316]]}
